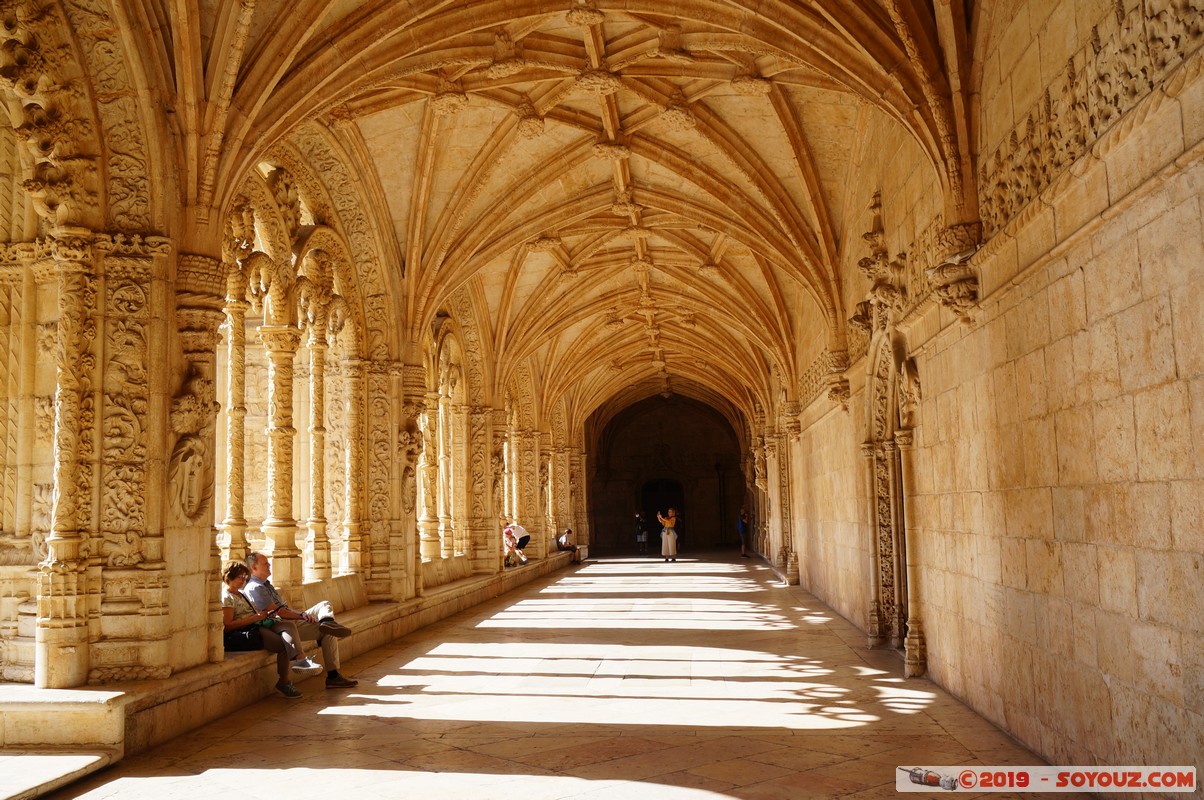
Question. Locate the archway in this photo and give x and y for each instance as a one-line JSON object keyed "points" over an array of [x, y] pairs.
{"points": [[661, 452]]}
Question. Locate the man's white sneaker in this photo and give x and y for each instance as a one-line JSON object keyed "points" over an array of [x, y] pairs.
{"points": [[307, 666]]}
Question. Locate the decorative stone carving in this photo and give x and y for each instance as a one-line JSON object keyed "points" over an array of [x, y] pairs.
{"points": [[545, 244], [751, 85], [38, 75], [448, 99], [367, 291], [507, 57], [601, 82], [190, 469], [908, 393], [838, 390], [677, 115], [1100, 83], [530, 123], [584, 16], [612, 151]]}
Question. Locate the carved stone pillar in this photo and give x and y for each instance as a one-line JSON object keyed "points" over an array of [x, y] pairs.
{"points": [[62, 654], [581, 528], [562, 496], [428, 479], [916, 662], [280, 343], [235, 308], [874, 626], [458, 488], [443, 495], [891, 569], [787, 556], [526, 484], [378, 434], [483, 538], [317, 545], [352, 544], [199, 291], [500, 479]]}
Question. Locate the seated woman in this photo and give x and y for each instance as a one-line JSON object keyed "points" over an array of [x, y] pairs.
{"points": [[565, 542], [244, 628], [514, 548]]}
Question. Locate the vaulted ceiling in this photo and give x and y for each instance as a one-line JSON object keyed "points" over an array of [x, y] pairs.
{"points": [[636, 193]]}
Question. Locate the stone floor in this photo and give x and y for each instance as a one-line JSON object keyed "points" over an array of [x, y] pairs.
{"points": [[626, 677]]}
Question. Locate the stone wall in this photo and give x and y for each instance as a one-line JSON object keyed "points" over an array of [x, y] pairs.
{"points": [[1058, 501]]}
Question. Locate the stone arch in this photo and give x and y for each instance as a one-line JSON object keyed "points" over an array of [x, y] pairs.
{"points": [[446, 539], [327, 171]]}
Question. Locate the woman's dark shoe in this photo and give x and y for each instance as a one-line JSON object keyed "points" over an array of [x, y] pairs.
{"points": [[288, 690]]}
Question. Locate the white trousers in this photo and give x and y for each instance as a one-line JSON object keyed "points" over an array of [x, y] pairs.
{"points": [[669, 543]]}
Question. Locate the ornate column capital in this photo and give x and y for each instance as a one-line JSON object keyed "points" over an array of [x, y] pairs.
{"points": [[279, 338]]}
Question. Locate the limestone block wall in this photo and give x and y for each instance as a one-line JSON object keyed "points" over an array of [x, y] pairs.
{"points": [[1061, 502], [831, 533], [1058, 495]]}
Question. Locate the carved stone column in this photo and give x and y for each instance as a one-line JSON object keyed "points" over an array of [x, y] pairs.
{"points": [[562, 496], [458, 488], [581, 528], [428, 479], [378, 434], [874, 627], [916, 649], [317, 545], [526, 483], [352, 544], [62, 653], [443, 494], [194, 408], [891, 569], [482, 536], [235, 308], [787, 556], [280, 342], [500, 478]]}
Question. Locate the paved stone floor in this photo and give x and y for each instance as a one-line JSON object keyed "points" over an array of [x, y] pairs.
{"points": [[624, 678]]}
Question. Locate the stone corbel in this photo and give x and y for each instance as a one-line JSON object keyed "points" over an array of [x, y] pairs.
{"points": [[838, 390], [794, 425], [952, 279], [835, 381], [863, 317], [956, 286]]}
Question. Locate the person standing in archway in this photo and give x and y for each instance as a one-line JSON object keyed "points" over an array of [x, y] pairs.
{"points": [[668, 534], [742, 529], [641, 533]]}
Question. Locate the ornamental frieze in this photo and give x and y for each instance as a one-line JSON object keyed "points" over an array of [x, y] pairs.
{"points": [[1128, 53]]}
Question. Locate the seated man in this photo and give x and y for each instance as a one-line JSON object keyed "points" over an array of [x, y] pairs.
{"points": [[316, 623], [565, 542]]}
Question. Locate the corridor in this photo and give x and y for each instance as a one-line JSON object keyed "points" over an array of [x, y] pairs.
{"points": [[624, 678]]}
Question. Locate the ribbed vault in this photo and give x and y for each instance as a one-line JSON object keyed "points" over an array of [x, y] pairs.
{"points": [[637, 198]]}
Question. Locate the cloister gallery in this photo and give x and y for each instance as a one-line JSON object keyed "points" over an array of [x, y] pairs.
{"points": [[355, 283]]}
